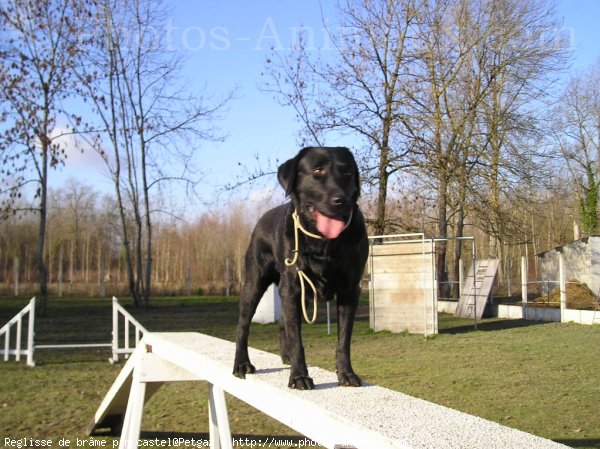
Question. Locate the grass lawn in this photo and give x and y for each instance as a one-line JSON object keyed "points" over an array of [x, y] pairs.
{"points": [[542, 378]]}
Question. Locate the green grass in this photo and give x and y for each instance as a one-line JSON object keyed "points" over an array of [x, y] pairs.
{"points": [[542, 378]]}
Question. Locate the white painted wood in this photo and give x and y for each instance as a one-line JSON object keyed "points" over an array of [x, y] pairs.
{"points": [[524, 270], [478, 286], [115, 400], [7, 344], [156, 369], [220, 433], [74, 346], [29, 352], [122, 315], [562, 278], [213, 424], [132, 423], [17, 321], [18, 341], [30, 333], [115, 330], [366, 417]]}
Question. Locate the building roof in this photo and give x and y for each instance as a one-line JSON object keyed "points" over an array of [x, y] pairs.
{"points": [[560, 247]]}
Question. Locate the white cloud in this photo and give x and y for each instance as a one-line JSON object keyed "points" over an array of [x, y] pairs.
{"points": [[78, 153]]}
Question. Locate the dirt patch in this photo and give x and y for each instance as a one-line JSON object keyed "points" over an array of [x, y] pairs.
{"points": [[579, 296]]}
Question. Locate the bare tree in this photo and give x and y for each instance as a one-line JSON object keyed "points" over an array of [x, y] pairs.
{"points": [[444, 88], [526, 54], [477, 72], [577, 133], [359, 88], [40, 47], [148, 119], [445, 108], [484, 66]]}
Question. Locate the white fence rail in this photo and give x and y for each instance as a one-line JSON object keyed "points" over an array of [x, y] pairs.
{"points": [[16, 323], [126, 333], [132, 331]]}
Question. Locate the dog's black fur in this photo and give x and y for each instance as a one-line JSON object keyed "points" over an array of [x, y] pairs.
{"points": [[322, 182]]}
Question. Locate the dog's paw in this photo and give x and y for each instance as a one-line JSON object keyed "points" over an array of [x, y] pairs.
{"points": [[349, 380], [242, 369], [301, 383]]}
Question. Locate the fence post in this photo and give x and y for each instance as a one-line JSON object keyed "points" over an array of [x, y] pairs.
{"points": [[563, 285], [16, 277], [60, 274], [461, 276], [7, 344], [18, 339], [524, 275], [30, 333], [227, 276], [115, 331], [188, 280]]}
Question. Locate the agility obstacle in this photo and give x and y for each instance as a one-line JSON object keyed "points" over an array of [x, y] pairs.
{"points": [[126, 333], [368, 417], [16, 323]]}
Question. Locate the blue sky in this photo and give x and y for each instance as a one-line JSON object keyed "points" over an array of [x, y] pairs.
{"points": [[226, 43], [236, 38]]}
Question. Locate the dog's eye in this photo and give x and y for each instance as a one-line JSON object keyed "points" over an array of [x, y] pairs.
{"points": [[319, 172]]}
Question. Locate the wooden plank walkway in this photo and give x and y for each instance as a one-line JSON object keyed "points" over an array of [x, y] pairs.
{"points": [[364, 417]]}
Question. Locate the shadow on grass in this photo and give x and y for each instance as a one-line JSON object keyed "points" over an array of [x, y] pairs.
{"points": [[450, 327], [73, 356], [582, 443]]}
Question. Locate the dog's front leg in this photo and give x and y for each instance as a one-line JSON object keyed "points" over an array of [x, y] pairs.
{"points": [[242, 365], [252, 292], [346, 306], [292, 319]]}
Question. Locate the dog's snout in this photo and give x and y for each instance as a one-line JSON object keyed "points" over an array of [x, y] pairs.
{"points": [[338, 201]]}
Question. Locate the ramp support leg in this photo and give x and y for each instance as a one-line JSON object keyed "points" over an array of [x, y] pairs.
{"points": [[219, 430], [132, 422], [148, 373]]}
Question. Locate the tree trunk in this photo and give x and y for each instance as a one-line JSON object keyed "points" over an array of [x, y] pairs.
{"points": [[42, 300], [441, 271], [458, 244]]}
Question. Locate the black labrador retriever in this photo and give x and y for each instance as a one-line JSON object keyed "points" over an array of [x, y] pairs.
{"points": [[314, 247]]}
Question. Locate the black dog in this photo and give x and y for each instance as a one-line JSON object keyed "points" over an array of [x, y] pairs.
{"points": [[316, 244]]}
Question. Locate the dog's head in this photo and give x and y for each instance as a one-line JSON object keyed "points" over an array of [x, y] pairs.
{"points": [[324, 186]]}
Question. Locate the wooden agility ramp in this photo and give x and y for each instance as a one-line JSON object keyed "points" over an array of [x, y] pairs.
{"points": [[477, 289], [369, 417]]}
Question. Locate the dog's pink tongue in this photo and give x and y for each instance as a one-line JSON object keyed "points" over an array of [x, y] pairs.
{"points": [[330, 228]]}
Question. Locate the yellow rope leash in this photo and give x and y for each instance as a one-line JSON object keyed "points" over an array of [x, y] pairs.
{"points": [[301, 274]]}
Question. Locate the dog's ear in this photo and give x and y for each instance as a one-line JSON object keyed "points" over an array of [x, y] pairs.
{"points": [[287, 175], [288, 171], [357, 181], [356, 194]]}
